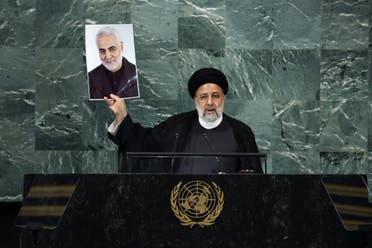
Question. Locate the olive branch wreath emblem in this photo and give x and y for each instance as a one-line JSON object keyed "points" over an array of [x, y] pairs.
{"points": [[185, 219]]}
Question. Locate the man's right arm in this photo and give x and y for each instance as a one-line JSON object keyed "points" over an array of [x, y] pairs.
{"points": [[118, 107], [125, 133], [130, 136], [113, 128]]}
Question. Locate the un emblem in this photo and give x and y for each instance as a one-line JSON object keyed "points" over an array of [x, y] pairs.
{"points": [[197, 203]]}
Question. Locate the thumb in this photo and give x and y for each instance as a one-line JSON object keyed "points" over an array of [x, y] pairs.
{"points": [[114, 97]]}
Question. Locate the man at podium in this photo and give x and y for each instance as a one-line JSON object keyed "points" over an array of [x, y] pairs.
{"points": [[204, 130]]}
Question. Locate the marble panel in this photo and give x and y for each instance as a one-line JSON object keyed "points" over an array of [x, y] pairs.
{"points": [[344, 126], [60, 24], [246, 111], [158, 77], [200, 32], [369, 127], [295, 162], [249, 73], [186, 104], [15, 166], [297, 24], [17, 120], [61, 88], [65, 162], [344, 75], [108, 11], [210, 4], [16, 143], [155, 27], [96, 118], [17, 23], [296, 74], [59, 128], [370, 24], [59, 162], [16, 131], [249, 24], [370, 101], [17, 67], [212, 8], [344, 162], [11, 177], [345, 24], [295, 137], [191, 60], [296, 126], [370, 72], [201, 26], [99, 162], [152, 112]]}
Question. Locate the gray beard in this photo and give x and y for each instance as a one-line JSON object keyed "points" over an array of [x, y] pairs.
{"points": [[210, 118], [111, 67]]}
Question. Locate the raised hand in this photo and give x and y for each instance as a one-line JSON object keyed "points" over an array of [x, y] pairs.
{"points": [[118, 107]]}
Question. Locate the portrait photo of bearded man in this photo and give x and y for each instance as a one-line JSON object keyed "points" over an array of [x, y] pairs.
{"points": [[116, 74]]}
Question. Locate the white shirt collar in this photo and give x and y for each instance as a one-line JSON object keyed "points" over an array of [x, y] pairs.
{"points": [[210, 125]]}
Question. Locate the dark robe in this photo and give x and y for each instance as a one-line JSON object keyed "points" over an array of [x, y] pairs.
{"points": [[173, 135], [220, 139]]}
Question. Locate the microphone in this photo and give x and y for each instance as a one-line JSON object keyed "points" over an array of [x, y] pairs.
{"points": [[174, 150], [212, 149]]}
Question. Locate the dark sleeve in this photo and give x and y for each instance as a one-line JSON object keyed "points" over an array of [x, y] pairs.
{"points": [[131, 136], [252, 163], [247, 143]]}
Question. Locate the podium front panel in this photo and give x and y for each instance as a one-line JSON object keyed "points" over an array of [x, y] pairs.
{"points": [[155, 210]]}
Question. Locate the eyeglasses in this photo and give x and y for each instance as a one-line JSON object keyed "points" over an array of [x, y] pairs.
{"points": [[205, 97], [111, 49]]}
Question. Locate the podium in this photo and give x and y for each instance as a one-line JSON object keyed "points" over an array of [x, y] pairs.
{"points": [[241, 210]]}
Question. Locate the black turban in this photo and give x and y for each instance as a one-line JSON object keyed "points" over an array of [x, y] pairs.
{"points": [[207, 75]]}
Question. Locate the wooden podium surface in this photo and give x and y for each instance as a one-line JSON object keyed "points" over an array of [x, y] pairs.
{"points": [[156, 210]]}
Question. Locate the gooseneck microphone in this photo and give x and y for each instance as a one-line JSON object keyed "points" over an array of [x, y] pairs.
{"points": [[174, 150]]}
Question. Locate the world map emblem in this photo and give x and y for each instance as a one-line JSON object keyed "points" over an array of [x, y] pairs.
{"points": [[197, 203]]}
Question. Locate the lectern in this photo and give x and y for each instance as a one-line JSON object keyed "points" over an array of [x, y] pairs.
{"points": [[163, 210]]}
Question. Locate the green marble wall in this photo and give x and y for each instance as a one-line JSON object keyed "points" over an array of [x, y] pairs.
{"points": [[300, 75]]}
